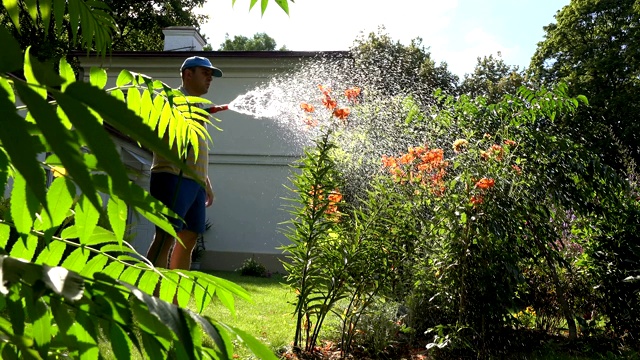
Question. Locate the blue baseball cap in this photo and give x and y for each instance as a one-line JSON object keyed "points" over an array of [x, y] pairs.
{"points": [[195, 61]]}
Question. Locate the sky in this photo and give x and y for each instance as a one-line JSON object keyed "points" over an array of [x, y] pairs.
{"points": [[454, 31]]}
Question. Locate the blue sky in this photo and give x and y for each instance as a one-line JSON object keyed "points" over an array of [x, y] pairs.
{"points": [[455, 31]]}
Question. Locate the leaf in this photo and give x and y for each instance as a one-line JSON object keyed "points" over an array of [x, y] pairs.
{"points": [[169, 286], [85, 331], [32, 9], [114, 269], [284, 5], [60, 140], [11, 55], [58, 13], [5, 232], [60, 200], [124, 78], [98, 77], [45, 14], [25, 248], [184, 291], [256, 347], [86, 218], [120, 342], [98, 140], [36, 72], [76, 260], [23, 206], [117, 211], [51, 254], [133, 100], [66, 73], [148, 282], [16, 140], [41, 319], [14, 13], [130, 275], [96, 264]]}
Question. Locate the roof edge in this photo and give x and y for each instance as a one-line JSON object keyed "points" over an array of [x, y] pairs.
{"points": [[217, 54]]}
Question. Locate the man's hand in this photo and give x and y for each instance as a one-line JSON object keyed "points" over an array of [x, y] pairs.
{"points": [[210, 195]]}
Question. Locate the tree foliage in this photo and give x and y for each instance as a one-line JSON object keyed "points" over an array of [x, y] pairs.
{"points": [[68, 275], [593, 47], [140, 23], [492, 78], [405, 68], [259, 42]]}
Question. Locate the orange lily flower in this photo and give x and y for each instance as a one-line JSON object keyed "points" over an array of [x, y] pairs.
{"points": [[485, 183], [329, 103], [342, 113], [307, 107], [325, 89], [352, 93]]}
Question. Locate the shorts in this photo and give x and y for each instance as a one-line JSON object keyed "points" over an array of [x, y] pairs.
{"points": [[188, 203]]}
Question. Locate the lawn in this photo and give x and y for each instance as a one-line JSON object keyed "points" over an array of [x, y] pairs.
{"points": [[269, 317]]}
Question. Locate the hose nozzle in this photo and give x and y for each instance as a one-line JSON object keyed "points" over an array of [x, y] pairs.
{"points": [[217, 108]]}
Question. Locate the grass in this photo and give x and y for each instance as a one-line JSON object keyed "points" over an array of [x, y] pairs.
{"points": [[269, 317]]}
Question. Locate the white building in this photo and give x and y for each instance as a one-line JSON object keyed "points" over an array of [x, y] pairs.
{"points": [[248, 163]]}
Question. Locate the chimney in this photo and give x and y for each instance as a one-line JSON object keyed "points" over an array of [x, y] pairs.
{"points": [[182, 38]]}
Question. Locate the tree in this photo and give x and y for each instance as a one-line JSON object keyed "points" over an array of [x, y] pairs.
{"points": [[402, 68], [593, 47], [140, 23], [492, 78], [259, 42]]}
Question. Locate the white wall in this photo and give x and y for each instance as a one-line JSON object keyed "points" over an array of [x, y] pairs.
{"points": [[249, 160]]}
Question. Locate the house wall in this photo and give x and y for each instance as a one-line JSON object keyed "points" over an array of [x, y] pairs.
{"points": [[248, 162]]}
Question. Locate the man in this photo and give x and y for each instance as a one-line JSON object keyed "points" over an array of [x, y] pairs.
{"points": [[182, 194]]}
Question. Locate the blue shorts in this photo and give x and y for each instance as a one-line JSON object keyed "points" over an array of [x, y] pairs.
{"points": [[188, 203]]}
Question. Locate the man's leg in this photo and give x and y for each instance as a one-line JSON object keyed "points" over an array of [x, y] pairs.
{"points": [[158, 252], [181, 254]]}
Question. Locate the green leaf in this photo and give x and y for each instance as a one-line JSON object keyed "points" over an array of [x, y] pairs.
{"points": [[32, 9], [117, 211], [184, 291], [11, 55], [60, 200], [148, 282], [41, 318], [51, 254], [120, 342], [99, 141], [124, 78], [153, 347], [85, 331], [98, 77], [66, 73], [133, 100], [25, 249], [169, 286], [58, 13], [60, 139], [86, 218], [77, 260], [114, 269], [96, 264], [16, 142], [23, 206], [14, 13], [284, 5], [45, 14], [256, 347], [5, 231], [36, 72], [130, 275]]}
